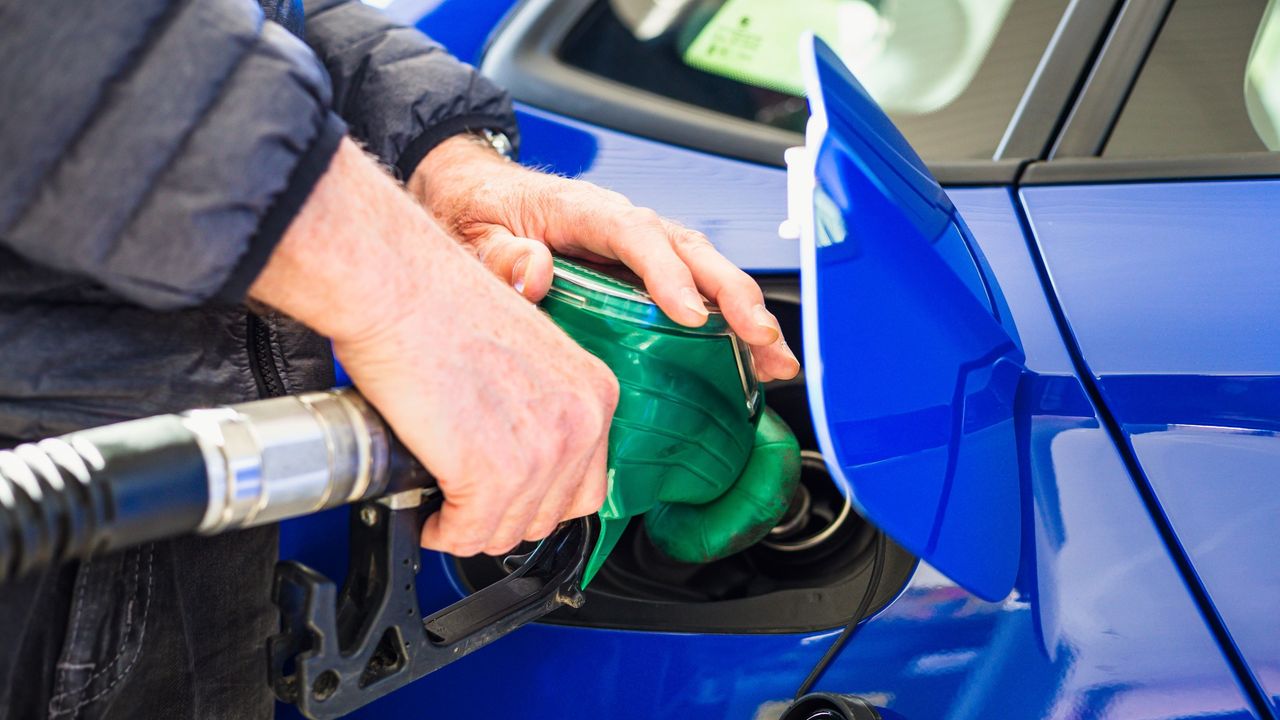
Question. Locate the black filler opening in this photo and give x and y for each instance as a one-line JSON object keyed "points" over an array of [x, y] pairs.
{"points": [[809, 574]]}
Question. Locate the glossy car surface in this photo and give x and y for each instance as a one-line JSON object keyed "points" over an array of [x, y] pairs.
{"points": [[1122, 526]]}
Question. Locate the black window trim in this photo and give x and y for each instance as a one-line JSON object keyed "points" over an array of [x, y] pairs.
{"points": [[1076, 157], [1097, 170], [1059, 78], [522, 57], [1106, 89]]}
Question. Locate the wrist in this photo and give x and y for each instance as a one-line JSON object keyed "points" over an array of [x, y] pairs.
{"points": [[459, 159], [497, 141]]}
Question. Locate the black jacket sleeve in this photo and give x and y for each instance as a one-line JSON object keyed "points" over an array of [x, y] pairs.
{"points": [[156, 147], [400, 92]]}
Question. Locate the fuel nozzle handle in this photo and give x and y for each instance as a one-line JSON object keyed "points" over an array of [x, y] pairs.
{"points": [[209, 471], [201, 471]]}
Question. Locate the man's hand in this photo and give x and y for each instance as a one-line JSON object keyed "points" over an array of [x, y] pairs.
{"points": [[512, 218], [508, 413]]}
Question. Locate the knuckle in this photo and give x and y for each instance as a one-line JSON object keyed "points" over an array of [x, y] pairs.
{"points": [[501, 547], [609, 390], [547, 451], [540, 529], [693, 241], [596, 192], [601, 370], [597, 416], [742, 283], [463, 549], [464, 535], [591, 192], [614, 196], [467, 545], [603, 383], [581, 193], [594, 497], [641, 216], [612, 395]]}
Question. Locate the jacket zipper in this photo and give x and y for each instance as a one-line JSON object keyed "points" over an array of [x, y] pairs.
{"points": [[262, 362]]}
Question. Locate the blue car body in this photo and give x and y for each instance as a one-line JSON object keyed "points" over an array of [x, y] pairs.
{"points": [[1077, 385]]}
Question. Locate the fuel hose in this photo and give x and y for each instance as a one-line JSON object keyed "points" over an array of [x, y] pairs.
{"points": [[201, 471]]}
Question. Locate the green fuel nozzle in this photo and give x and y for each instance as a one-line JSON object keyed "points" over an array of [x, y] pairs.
{"points": [[692, 446]]}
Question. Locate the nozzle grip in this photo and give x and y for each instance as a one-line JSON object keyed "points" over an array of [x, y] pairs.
{"points": [[340, 651]]}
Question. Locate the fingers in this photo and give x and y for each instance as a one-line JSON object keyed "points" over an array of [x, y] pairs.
{"points": [[525, 509], [589, 222], [523, 263], [460, 527], [496, 520], [460, 530], [582, 495], [678, 267], [737, 295], [513, 526], [775, 361], [486, 516], [595, 485], [640, 242], [739, 298], [553, 510]]}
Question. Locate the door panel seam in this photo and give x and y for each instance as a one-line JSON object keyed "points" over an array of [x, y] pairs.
{"points": [[1245, 677]]}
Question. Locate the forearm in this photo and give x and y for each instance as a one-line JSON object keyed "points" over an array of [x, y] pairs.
{"points": [[501, 406], [359, 252], [455, 164]]}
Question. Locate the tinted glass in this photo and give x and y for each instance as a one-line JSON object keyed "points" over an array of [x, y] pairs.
{"points": [[1210, 85], [949, 72]]}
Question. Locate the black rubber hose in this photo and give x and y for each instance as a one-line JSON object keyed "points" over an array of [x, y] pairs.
{"points": [[98, 490]]}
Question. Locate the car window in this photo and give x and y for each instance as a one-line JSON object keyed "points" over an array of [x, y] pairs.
{"points": [[950, 73], [1211, 84]]}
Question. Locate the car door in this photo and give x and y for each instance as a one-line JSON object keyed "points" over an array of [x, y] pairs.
{"points": [[1157, 222]]}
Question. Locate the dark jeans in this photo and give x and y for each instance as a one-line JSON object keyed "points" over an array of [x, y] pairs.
{"points": [[169, 630]]}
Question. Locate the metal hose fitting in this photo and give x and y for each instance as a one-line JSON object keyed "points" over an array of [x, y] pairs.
{"points": [[202, 471], [290, 456]]}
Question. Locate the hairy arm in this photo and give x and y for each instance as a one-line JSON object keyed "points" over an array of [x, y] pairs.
{"points": [[505, 410]]}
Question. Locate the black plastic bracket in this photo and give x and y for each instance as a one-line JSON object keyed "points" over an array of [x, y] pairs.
{"points": [[338, 652]]}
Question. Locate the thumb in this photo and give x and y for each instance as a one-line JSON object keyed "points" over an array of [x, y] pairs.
{"points": [[521, 262]]}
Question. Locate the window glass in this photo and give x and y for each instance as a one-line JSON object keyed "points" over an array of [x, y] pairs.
{"points": [[1211, 84], [1262, 79], [949, 72]]}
